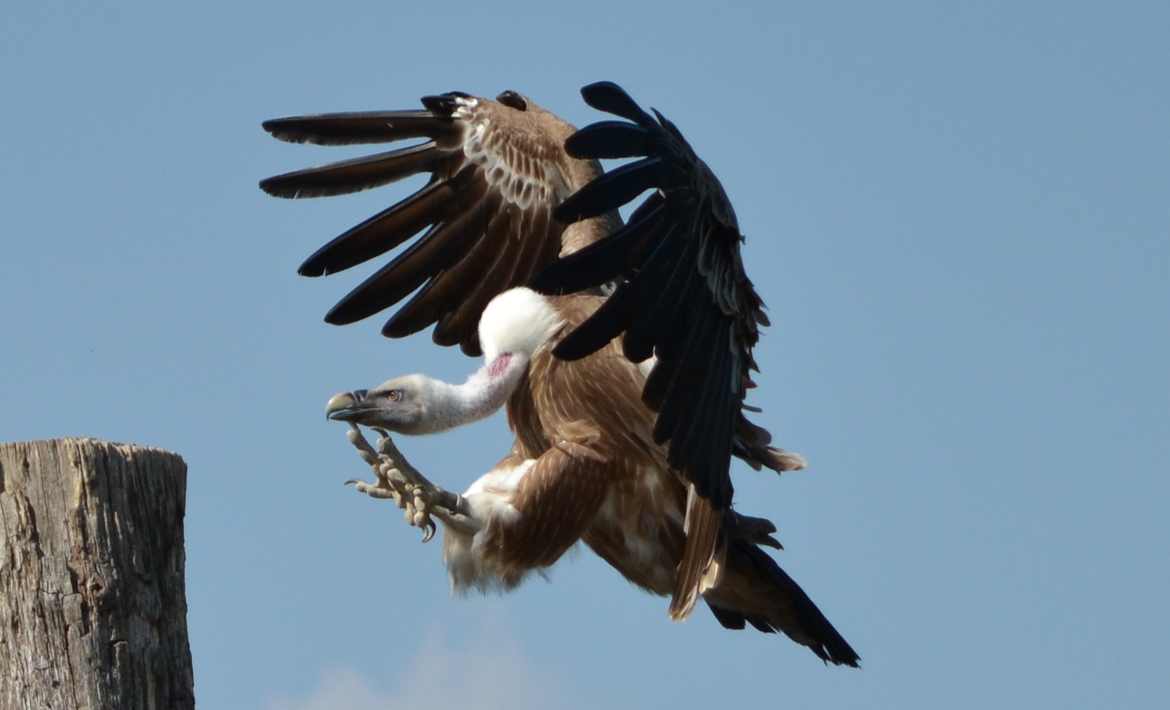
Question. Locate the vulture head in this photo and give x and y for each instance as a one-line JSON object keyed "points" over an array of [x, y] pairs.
{"points": [[515, 324], [405, 405]]}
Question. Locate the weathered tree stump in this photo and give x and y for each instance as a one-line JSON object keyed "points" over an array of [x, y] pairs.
{"points": [[93, 607]]}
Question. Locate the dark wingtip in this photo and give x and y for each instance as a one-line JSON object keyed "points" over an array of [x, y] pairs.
{"points": [[601, 90], [276, 127], [310, 268], [314, 265], [336, 317], [273, 126], [344, 311], [271, 186], [611, 98], [839, 655], [286, 129], [597, 88], [281, 186]]}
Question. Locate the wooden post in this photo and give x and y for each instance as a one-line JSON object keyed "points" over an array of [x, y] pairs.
{"points": [[93, 604]]}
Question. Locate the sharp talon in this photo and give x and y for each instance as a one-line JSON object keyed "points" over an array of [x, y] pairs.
{"points": [[351, 482], [428, 532]]}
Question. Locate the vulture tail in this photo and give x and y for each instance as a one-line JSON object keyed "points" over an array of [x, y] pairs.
{"points": [[701, 564], [754, 590]]}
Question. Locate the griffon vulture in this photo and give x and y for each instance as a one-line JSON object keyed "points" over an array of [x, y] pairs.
{"points": [[622, 353]]}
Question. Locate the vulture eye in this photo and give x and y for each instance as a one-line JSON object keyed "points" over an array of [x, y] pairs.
{"points": [[394, 395], [513, 100]]}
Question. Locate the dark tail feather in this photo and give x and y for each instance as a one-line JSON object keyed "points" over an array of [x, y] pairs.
{"points": [[755, 590]]}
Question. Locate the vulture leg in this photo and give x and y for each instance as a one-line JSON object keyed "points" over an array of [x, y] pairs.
{"points": [[400, 481]]}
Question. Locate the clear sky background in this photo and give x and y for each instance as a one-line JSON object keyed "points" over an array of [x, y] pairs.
{"points": [[960, 219]]}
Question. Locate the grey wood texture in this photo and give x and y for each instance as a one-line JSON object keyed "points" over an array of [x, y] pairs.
{"points": [[93, 606]]}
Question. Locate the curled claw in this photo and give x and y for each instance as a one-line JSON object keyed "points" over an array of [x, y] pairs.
{"points": [[373, 491], [428, 531]]}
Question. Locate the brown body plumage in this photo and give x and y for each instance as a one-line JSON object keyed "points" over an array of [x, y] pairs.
{"points": [[598, 476]]}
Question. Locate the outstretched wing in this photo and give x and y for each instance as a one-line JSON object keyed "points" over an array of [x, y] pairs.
{"points": [[497, 170], [682, 296]]}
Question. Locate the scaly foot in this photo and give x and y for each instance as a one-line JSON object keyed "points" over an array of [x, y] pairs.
{"points": [[401, 482]]}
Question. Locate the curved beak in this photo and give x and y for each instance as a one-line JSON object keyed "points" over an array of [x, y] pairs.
{"points": [[348, 406]]}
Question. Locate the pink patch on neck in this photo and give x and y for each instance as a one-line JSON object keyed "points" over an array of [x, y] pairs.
{"points": [[497, 366]]}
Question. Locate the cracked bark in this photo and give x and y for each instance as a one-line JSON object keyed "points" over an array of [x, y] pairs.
{"points": [[93, 607]]}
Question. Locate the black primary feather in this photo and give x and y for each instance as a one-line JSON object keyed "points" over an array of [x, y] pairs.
{"points": [[610, 139], [613, 189], [611, 98], [688, 302], [602, 261]]}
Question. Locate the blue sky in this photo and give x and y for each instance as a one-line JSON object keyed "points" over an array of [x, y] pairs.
{"points": [[959, 217]]}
